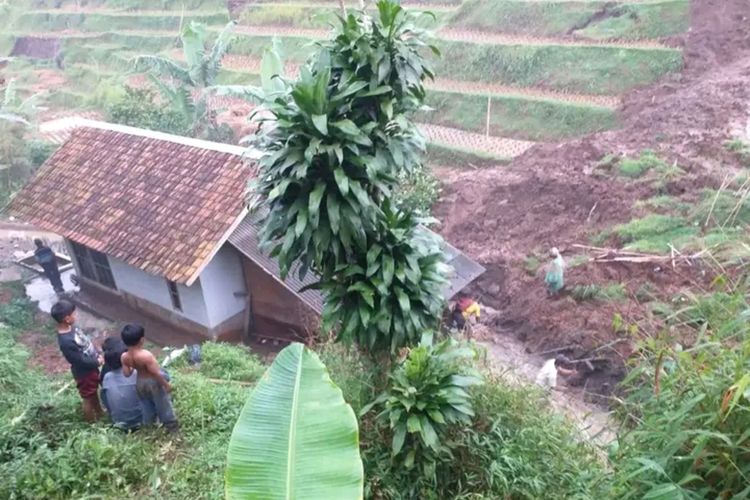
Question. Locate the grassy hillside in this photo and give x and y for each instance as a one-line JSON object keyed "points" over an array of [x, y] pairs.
{"points": [[563, 85]]}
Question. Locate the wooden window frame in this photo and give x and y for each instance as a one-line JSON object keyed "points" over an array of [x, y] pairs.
{"points": [[94, 265]]}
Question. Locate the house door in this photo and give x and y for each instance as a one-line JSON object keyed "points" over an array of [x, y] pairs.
{"points": [[93, 265]]}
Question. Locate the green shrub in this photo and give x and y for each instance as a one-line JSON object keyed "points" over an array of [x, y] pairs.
{"points": [[428, 395], [18, 313], [139, 108], [39, 151], [357, 375], [611, 292], [517, 447], [224, 361], [417, 191], [688, 416], [12, 367]]}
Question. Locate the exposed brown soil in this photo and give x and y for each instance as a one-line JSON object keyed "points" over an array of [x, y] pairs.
{"points": [[547, 196], [45, 353], [40, 48]]}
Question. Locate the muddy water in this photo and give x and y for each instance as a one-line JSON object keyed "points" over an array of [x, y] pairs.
{"points": [[507, 355]]}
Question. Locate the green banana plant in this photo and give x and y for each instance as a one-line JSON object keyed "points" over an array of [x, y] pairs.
{"points": [[296, 437], [183, 86]]}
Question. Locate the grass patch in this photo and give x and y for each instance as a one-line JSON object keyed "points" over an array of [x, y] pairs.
{"points": [[740, 148], [559, 18], [101, 22], [446, 156], [598, 70], [304, 16], [516, 117], [226, 362], [591, 70], [655, 232], [598, 293], [531, 265], [647, 164], [638, 21], [176, 5]]}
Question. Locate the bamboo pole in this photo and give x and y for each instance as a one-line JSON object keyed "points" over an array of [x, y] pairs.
{"points": [[489, 110]]}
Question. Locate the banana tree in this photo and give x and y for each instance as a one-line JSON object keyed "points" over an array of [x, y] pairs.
{"points": [[296, 437], [17, 116], [183, 85], [14, 109]]}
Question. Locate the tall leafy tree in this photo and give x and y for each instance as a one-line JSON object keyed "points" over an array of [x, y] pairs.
{"points": [[340, 136], [183, 86]]}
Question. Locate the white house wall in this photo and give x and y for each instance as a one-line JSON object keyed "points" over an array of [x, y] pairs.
{"points": [[154, 289], [221, 278]]}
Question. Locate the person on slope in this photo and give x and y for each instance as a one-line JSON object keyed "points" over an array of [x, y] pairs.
{"points": [[554, 278]]}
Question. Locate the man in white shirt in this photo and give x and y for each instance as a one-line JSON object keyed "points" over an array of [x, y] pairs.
{"points": [[547, 376]]}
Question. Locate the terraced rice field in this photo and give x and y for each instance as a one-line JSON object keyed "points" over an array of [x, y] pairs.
{"points": [[512, 72]]}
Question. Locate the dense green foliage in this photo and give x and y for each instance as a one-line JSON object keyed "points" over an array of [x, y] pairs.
{"points": [[140, 108], [515, 447], [19, 157], [417, 191], [341, 140], [688, 409], [183, 87], [427, 396]]}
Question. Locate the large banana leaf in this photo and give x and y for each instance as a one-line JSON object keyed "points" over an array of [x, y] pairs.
{"points": [[296, 437]]}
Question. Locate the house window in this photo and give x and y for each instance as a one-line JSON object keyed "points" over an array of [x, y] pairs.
{"points": [[94, 265], [174, 294]]}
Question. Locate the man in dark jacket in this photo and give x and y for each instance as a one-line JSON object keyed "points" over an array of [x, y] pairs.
{"points": [[83, 357], [46, 258]]}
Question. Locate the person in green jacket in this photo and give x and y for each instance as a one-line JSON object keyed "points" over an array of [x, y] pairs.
{"points": [[554, 278]]}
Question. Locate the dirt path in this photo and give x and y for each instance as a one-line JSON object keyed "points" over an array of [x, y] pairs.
{"points": [[456, 138]]}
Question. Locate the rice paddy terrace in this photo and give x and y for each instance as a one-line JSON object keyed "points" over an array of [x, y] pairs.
{"points": [[512, 72]]}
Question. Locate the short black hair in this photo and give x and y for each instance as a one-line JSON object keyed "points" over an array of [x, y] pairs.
{"points": [[38, 242], [562, 360], [61, 310], [132, 334], [113, 349]]}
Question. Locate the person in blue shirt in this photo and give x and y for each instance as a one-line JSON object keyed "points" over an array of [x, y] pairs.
{"points": [[119, 393], [47, 259]]}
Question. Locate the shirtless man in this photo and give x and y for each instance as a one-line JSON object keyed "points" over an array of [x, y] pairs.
{"points": [[152, 384]]}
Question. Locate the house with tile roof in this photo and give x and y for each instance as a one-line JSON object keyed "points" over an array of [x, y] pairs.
{"points": [[159, 223]]}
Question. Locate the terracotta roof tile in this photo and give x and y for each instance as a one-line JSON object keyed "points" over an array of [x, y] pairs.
{"points": [[159, 205]]}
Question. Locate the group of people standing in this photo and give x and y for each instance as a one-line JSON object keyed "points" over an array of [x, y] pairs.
{"points": [[135, 390]]}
